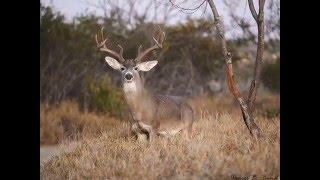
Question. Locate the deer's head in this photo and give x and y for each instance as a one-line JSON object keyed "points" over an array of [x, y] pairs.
{"points": [[130, 68]]}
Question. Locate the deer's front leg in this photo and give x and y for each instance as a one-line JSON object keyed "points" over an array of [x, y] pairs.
{"points": [[148, 129], [141, 128], [140, 135], [135, 127]]}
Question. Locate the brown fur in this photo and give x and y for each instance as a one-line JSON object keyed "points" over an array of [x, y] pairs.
{"points": [[155, 114]]}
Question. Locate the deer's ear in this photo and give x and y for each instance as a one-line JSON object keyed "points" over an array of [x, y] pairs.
{"points": [[113, 63], [146, 66]]}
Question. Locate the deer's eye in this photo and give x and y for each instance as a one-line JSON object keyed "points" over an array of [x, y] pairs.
{"points": [[122, 68], [136, 68]]}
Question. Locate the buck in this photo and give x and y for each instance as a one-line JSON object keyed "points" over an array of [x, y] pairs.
{"points": [[152, 114]]}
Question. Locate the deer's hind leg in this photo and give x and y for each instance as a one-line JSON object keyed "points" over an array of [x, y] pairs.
{"points": [[187, 117]]}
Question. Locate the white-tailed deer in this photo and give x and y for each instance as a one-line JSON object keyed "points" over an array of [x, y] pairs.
{"points": [[152, 114]]}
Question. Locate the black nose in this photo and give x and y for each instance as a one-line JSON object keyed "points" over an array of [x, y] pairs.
{"points": [[128, 76]]}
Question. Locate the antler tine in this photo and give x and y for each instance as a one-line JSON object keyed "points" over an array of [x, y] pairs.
{"points": [[101, 32], [99, 45], [103, 47], [158, 45], [121, 50], [139, 50]]}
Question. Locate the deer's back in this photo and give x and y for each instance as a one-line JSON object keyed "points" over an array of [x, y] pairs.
{"points": [[170, 107], [172, 113]]}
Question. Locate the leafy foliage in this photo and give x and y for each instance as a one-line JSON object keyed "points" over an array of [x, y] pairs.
{"points": [[271, 76], [107, 98]]}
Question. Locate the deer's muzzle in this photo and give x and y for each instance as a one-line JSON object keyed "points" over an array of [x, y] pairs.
{"points": [[128, 76]]}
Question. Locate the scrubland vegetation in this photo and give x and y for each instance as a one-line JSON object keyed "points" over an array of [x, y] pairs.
{"points": [[81, 101]]}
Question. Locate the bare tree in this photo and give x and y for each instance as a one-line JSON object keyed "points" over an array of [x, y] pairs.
{"points": [[246, 105], [240, 21], [133, 13]]}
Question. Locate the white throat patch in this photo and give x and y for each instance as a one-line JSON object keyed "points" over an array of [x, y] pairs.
{"points": [[130, 87], [130, 92]]}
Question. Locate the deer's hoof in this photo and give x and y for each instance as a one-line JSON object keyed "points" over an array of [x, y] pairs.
{"points": [[142, 137]]}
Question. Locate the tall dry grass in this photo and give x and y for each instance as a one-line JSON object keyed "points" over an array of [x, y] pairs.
{"points": [[220, 148], [66, 122]]}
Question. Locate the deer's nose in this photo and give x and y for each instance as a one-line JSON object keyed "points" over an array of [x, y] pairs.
{"points": [[128, 76]]}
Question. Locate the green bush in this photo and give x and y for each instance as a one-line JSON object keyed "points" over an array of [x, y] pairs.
{"points": [[106, 98], [271, 76], [271, 113]]}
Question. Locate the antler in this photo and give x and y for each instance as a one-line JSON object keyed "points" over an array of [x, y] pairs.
{"points": [[103, 47], [158, 44]]}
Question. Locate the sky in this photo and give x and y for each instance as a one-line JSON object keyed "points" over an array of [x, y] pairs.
{"points": [[72, 8]]}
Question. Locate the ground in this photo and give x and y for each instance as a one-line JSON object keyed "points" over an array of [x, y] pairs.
{"points": [[220, 148]]}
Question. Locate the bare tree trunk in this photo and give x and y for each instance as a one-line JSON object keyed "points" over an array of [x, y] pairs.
{"points": [[259, 19], [246, 111]]}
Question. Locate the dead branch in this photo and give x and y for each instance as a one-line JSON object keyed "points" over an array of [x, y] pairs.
{"points": [[187, 10]]}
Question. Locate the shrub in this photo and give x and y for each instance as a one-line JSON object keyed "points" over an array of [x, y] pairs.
{"points": [[271, 113], [270, 76], [107, 98]]}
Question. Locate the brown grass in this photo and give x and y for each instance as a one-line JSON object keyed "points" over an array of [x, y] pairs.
{"points": [[66, 121], [221, 147]]}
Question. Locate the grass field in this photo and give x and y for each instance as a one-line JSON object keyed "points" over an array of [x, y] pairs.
{"points": [[220, 148]]}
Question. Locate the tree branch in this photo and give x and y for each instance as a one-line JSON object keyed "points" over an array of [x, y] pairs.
{"points": [[253, 10], [259, 57], [261, 6]]}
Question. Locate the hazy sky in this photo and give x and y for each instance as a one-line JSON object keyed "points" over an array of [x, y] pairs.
{"points": [[72, 8]]}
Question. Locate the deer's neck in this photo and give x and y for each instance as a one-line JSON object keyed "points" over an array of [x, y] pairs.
{"points": [[134, 93], [140, 101], [132, 89]]}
